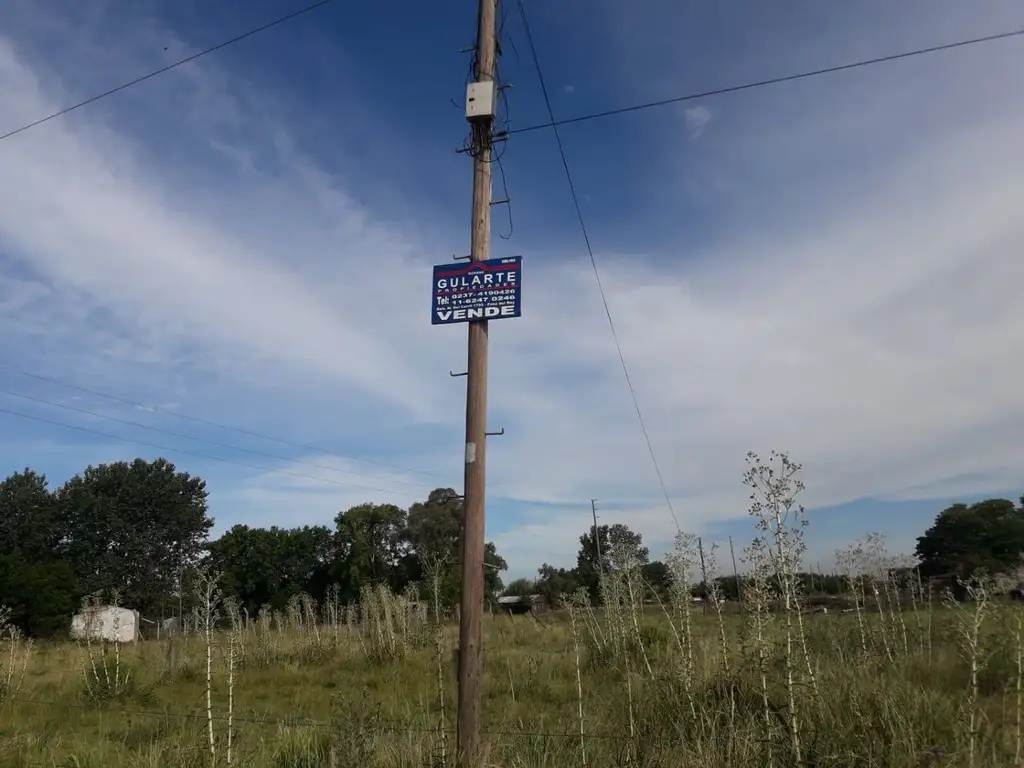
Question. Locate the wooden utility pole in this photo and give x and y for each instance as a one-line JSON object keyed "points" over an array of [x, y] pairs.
{"points": [[471, 607], [736, 574], [597, 539], [703, 576]]}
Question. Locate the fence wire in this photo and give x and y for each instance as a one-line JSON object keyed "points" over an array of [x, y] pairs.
{"points": [[375, 722]]}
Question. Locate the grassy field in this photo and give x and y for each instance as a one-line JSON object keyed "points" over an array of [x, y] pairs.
{"points": [[922, 683]]}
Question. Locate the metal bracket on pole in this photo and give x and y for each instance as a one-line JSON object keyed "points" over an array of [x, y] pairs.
{"points": [[496, 434], [504, 201], [456, 375], [462, 258], [485, 565]]}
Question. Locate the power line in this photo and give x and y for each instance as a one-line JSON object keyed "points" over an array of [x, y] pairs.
{"points": [[771, 81], [86, 430], [207, 423], [593, 262], [215, 443], [169, 67]]}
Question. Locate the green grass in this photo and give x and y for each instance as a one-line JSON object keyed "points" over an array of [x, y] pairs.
{"points": [[340, 701]]}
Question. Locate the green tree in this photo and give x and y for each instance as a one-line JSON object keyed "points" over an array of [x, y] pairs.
{"points": [[521, 588], [133, 526], [371, 544], [615, 540], [30, 526], [435, 528], [435, 525], [494, 564], [554, 583], [435, 537], [964, 538], [40, 589], [267, 566], [42, 596], [657, 576]]}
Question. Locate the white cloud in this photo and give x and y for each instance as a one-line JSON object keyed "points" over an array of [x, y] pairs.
{"points": [[132, 245], [873, 331], [697, 119], [313, 492]]}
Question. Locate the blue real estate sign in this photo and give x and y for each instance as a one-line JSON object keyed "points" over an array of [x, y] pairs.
{"points": [[477, 290]]}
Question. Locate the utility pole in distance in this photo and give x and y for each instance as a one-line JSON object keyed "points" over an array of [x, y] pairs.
{"points": [[597, 539], [480, 109]]}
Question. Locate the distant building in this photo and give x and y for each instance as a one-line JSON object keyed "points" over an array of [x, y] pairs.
{"points": [[106, 622], [515, 604]]}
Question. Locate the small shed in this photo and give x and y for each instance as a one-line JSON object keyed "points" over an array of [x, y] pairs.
{"points": [[106, 622], [513, 604]]}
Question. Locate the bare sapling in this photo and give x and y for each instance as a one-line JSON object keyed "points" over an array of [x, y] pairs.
{"points": [[385, 621], [620, 613], [1012, 583], [681, 562], [334, 613], [778, 517], [970, 617], [237, 634], [576, 604], [234, 642], [433, 568], [916, 598], [15, 663], [890, 573], [851, 566], [104, 680], [207, 611], [900, 570], [713, 594], [626, 565], [1018, 643], [759, 596], [612, 602], [875, 561]]}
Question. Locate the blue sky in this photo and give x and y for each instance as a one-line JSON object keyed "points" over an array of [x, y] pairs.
{"points": [[829, 267]]}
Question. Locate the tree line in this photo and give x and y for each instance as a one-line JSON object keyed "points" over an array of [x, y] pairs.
{"points": [[142, 528], [595, 545], [964, 540]]}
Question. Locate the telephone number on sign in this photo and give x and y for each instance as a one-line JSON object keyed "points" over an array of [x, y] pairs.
{"points": [[484, 292], [479, 302]]}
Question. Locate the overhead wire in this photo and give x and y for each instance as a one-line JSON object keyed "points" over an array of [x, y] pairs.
{"points": [[124, 86], [215, 443], [593, 262], [507, 131], [504, 120], [208, 457], [539, 126], [770, 81], [208, 423], [231, 41], [476, 139], [508, 203]]}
